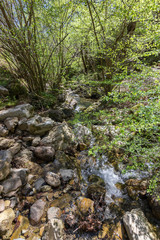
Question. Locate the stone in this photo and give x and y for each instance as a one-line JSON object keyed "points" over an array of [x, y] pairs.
{"points": [[11, 185], [53, 179], [23, 224], [15, 148], [11, 123], [36, 141], [64, 160], [56, 115], [44, 153], [2, 205], [21, 172], [3, 91], [62, 138], [5, 160], [155, 205], [54, 230], [82, 133], [62, 202], [39, 183], [85, 205], [137, 226], [6, 219], [20, 111], [36, 125], [3, 131], [36, 211], [7, 203], [54, 212], [27, 189], [66, 174], [6, 143]]}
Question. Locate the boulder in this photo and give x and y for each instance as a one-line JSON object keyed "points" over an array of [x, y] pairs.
{"points": [[3, 91], [66, 174], [36, 211], [20, 111], [11, 185], [44, 153], [54, 212], [36, 125], [62, 138], [3, 131], [11, 123], [137, 226], [5, 160], [6, 219], [54, 230], [52, 179], [85, 205]]}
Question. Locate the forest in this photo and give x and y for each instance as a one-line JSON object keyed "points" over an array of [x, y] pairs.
{"points": [[79, 119]]}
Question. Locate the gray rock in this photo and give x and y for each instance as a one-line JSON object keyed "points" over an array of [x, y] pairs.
{"points": [[54, 230], [36, 141], [3, 131], [5, 160], [27, 189], [11, 123], [66, 174], [4, 91], [39, 183], [21, 172], [44, 153], [20, 111], [11, 185], [82, 133], [6, 219], [53, 212], [53, 179], [37, 125], [137, 226], [36, 211]]}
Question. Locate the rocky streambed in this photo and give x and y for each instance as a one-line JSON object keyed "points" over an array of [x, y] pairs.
{"points": [[50, 188]]}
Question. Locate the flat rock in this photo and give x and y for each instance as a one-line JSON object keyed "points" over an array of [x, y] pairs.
{"points": [[20, 111], [137, 226], [6, 219], [11, 185], [36, 211], [52, 179], [5, 160]]}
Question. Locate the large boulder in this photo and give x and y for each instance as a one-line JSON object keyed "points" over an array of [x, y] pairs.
{"points": [[62, 138], [5, 160], [37, 125], [137, 226], [6, 219], [20, 111]]}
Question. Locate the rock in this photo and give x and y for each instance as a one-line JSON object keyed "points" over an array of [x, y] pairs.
{"points": [[37, 125], [23, 224], [44, 153], [53, 179], [82, 133], [15, 148], [85, 205], [36, 211], [7, 203], [39, 183], [56, 115], [6, 219], [96, 179], [54, 212], [3, 91], [155, 205], [62, 138], [2, 205], [11, 185], [27, 190], [3, 131], [136, 187], [11, 123], [36, 141], [22, 173], [54, 230], [137, 226], [64, 160], [5, 160], [6, 143], [95, 191], [66, 174], [20, 111], [62, 202]]}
